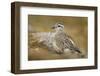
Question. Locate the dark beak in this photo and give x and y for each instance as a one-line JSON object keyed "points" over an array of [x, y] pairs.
{"points": [[53, 27]]}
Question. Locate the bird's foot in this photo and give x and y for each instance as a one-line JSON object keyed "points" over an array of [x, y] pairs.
{"points": [[59, 52]]}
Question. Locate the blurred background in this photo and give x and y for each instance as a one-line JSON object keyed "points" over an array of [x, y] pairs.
{"points": [[76, 27]]}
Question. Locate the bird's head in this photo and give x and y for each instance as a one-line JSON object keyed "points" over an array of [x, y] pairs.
{"points": [[58, 27]]}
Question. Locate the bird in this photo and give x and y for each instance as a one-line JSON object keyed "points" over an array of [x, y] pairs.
{"points": [[61, 41]]}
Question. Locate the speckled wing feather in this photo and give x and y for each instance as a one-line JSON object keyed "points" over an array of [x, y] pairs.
{"points": [[64, 41]]}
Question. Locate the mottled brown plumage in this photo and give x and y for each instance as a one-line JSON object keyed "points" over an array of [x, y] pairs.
{"points": [[62, 41]]}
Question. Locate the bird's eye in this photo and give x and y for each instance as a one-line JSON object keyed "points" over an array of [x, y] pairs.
{"points": [[58, 26]]}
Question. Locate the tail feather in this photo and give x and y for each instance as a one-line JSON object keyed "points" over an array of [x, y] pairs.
{"points": [[78, 51]]}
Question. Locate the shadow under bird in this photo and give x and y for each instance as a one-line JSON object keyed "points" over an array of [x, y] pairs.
{"points": [[62, 41]]}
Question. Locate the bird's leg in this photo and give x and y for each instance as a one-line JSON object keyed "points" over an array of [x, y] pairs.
{"points": [[72, 51], [59, 51]]}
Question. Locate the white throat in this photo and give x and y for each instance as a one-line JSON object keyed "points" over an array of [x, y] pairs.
{"points": [[59, 30]]}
